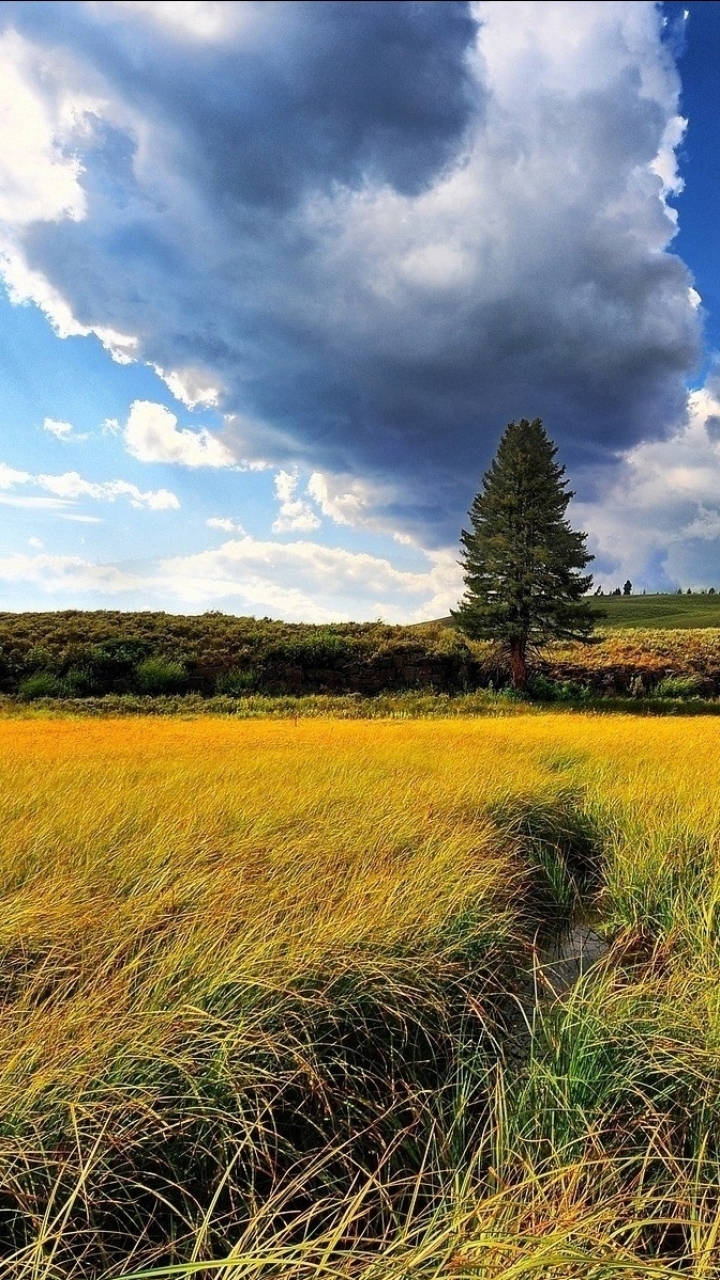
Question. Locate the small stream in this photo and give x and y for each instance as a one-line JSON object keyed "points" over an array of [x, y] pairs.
{"points": [[559, 963], [568, 956]]}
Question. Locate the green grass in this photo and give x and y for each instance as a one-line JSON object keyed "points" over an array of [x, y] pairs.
{"points": [[661, 612], [650, 612]]}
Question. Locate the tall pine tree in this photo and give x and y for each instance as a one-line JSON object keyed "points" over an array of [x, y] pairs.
{"points": [[523, 563]]}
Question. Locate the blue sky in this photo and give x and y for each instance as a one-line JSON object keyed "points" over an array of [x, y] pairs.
{"points": [[277, 275]]}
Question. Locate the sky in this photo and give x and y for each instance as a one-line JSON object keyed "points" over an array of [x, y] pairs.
{"points": [[275, 276]]}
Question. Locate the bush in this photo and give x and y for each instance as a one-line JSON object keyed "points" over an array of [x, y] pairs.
{"points": [[160, 675], [542, 689], [42, 684], [79, 682], [233, 684], [689, 686]]}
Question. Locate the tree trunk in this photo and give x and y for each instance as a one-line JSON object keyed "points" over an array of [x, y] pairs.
{"points": [[518, 666]]}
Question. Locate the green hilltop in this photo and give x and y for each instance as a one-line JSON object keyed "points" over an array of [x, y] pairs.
{"points": [[668, 612], [661, 612]]}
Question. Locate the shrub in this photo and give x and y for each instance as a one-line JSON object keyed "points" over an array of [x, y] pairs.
{"points": [[689, 686], [79, 682], [42, 684], [233, 684], [160, 675], [545, 690]]}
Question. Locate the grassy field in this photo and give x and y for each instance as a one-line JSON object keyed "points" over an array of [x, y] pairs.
{"points": [[661, 612], [274, 1004]]}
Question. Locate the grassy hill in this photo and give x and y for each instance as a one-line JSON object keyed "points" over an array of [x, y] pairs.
{"points": [[668, 612], [664, 612]]}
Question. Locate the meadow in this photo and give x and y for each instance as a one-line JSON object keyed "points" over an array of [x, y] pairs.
{"points": [[276, 998], [669, 611]]}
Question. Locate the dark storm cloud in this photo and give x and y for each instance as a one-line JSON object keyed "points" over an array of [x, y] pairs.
{"points": [[308, 95], [385, 243]]}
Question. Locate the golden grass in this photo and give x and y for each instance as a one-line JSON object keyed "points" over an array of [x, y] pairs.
{"points": [[148, 865], [201, 917]]}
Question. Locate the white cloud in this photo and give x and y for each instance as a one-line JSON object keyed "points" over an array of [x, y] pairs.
{"points": [[32, 503], [344, 508], [43, 125], [351, 500], [70, 486], [658, 521], [225, 524], [9, 477], [39, 170], [152, 435], [61, 430], [191, 386], [306, 580], [706, 524], [26, 285], [66, 575], [300, 581], [35, 543], [39, 180], [123, 347], [295, 515]]}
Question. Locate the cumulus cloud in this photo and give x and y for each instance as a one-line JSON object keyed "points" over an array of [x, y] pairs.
{"points": [[225, 524], [374, 233], [152, 435], [70, 486], [658, 521], [38, 179], [191, 386], [350, 500], [61, 430], [294, 580], [295, 515], [305, 580], [61, 575], [9, 476]]}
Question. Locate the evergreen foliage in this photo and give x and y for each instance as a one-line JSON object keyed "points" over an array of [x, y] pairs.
{"points": [[523, 563]]}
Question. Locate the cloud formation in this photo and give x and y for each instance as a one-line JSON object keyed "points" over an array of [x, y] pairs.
{"points": [[298, 581], [372, 233], [225, 524], [152, 434], [659, 518], [70, 486], [295, 514], [61, 430]]}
